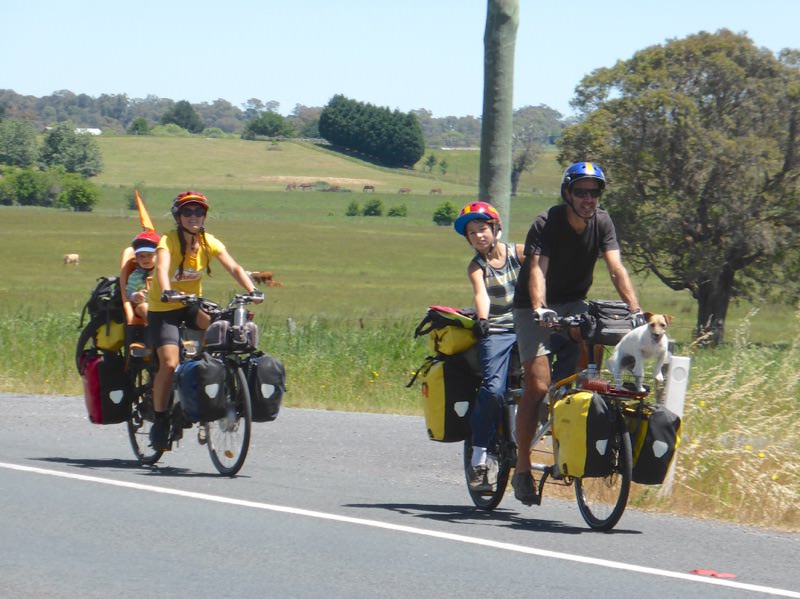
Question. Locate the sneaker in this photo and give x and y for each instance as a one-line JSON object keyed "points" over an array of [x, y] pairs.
{"points": [[479, 478], [525, 488], [202, 435], [159, 433]]}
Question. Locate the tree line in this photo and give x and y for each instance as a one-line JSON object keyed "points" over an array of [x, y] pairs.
{"points": [[54, 172], [120, 114]]}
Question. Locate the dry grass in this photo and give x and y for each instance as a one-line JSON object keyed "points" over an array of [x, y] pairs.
{"points": [[741, 437]]}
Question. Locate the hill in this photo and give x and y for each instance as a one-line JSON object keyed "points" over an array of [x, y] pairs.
{"points": [[229, 163]]}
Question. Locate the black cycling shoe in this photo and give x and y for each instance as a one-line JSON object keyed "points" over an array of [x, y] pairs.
{"points": [[159, 434]]}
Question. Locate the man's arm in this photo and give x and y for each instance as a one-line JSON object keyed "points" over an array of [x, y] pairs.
{"points": [[620, 279], [536, 282]]}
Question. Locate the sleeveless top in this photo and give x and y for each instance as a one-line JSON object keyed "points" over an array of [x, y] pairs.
{"points": [[500, 284]]}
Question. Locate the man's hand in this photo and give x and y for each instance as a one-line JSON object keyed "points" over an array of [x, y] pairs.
{"points": [[169, 295], [257, 295], [481, 328], [545, 316], [638, 319]]}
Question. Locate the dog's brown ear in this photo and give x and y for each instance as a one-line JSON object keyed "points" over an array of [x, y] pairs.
{"points": [[668, 318], [648, 316]]}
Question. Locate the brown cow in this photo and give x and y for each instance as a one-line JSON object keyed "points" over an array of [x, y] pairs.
{"points": [[305, 186], [404, 190], [264, 277], [436, 190], [368, 188], [291, 186], [72, 259]]}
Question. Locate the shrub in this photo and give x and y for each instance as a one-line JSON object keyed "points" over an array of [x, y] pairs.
{"points": [[400, 210], [353, 209], [445, 214], [373, 208]]}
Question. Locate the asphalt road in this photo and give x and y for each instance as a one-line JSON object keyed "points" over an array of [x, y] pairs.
{"points": [[328, 504]]}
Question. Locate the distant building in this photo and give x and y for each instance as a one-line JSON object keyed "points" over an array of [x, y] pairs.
{"points": [[88, 131]]}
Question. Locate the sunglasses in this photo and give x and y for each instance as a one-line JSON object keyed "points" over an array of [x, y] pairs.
{"points": [[586, 193], [192, 212]]}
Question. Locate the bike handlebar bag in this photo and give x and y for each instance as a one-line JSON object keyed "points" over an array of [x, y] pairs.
{"points": [[200, 386], [612, 321], [221, 335], [105, 387]]}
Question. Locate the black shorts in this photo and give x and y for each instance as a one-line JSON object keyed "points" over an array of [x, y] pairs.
{"points": [[164, 327]]}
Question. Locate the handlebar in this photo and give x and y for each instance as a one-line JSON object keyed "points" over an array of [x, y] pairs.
{"points": [[212, 308]]}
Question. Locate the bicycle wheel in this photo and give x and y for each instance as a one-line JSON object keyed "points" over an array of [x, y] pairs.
{"points": [[140, 420], [499, 470], [229, 437], [602, 500]]}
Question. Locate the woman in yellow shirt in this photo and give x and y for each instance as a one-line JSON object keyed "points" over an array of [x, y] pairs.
{"points": [[181, 257]]}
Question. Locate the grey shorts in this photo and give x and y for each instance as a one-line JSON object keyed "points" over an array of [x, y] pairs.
{"points": [[533, 340]]}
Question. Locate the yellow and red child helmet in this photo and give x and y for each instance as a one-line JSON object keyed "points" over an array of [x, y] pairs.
{"points": [[476, 211]]}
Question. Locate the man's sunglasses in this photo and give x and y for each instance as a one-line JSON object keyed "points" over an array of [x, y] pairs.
{"points": [[585, 193], [193, 212]]}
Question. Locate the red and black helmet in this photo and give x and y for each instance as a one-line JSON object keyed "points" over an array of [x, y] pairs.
{"points": [[145, 242]]}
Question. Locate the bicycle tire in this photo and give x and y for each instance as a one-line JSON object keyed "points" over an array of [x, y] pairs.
{"points": [[602, 500], [228, 439], [488, 500], [140, 420]]}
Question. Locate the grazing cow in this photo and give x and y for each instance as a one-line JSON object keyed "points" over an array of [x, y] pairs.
{"points": [[436, 190], [264, 277], [404, 190], [305, 186], [368, 188], [72, 259], [291, 186]]}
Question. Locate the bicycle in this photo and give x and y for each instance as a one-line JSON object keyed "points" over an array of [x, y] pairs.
{"points": [[601, 500], [227, 438]]}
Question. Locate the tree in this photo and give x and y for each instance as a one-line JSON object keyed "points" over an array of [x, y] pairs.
{"points": [[183, 115], [533, 127], [17, 143], [77, 194], [268, 124], [445, 214], [139, 126], [699, 137], [390, 137], [499, 39], [77, 153], [430, 162]]}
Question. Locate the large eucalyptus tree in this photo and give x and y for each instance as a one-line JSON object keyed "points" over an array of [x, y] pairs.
{"points": [[699, 137]]}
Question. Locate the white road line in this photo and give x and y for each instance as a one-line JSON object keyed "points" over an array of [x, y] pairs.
{"points": [[411, 530]]}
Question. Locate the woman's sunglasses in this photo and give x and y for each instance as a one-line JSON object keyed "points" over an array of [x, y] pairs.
{"points": [[192, 212]]}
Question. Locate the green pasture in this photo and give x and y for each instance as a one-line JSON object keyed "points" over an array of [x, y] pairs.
{"points": [[355, 288]]}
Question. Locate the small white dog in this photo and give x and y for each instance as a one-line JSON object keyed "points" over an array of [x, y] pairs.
{"points": [[642, 343]]}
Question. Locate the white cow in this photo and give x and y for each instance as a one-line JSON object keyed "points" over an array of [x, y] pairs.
{"points": [[72, 259]]}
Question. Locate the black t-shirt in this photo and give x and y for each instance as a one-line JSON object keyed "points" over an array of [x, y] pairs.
{"points": [[572, 255]]}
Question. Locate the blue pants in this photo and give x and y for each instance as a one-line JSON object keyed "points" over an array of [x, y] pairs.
{"points": [[495, 355]]}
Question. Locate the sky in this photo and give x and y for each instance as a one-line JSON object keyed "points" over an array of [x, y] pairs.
{"points": [[405, 55]]}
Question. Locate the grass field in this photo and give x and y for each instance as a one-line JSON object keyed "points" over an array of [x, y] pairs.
{"points": [[356, 287]]}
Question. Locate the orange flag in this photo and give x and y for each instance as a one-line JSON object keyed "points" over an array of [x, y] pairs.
{"points": [[144, 217]]}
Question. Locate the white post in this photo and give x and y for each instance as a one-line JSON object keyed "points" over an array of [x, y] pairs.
{"points": [[675, 391]]}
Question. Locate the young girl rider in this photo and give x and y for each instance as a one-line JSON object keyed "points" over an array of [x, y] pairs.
{"points": [[493, 273], [182, 256]]}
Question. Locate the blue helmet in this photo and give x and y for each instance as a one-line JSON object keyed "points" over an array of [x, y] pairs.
{"points": [[582, 170]]}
